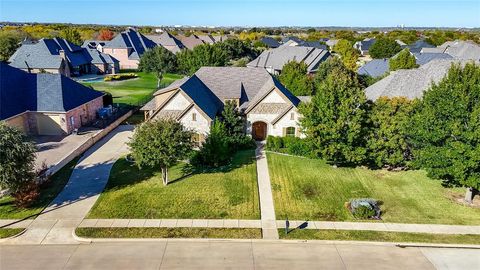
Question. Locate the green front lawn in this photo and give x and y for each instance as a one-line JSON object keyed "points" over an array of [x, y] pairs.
{"points": [[133, 91], [308, 234], [309, 189], [48, 192], [139, 193], [169, 233]]}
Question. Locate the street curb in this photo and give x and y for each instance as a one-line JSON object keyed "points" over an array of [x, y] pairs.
{"points": [[268, 241], [13, 236]]}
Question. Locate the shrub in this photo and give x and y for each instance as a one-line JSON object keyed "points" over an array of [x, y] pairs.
{"points": [[120, 77], [27, 195], [364, 208], [290, 145], [215, 151]]}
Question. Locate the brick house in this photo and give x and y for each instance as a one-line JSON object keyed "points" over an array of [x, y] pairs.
{"points": [[45, 104]]}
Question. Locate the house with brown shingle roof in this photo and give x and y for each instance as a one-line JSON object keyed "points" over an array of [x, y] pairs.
{"points": [[268, 107]]}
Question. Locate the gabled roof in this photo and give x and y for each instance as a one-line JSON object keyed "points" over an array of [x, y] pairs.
{"points": [[277, 58], [375, 68], [92, 44], [191, 41], [270, 42], [292, 38], [21, 91], [419, 45], [46, 54], [168, 41], [365, 44], [424, 58], [96, 57], [462, 50], [131, 39], [207, 38], [410, 83]]}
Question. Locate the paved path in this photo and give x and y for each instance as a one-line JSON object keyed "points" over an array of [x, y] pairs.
{"points": [[267, 210], [56, 223], [215, 254]]}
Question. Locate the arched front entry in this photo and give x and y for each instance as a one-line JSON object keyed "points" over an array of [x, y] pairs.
{"points": [[259, 131]]}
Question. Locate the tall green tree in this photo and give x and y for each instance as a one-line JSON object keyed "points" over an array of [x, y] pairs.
{"points": [[215, 151], [384, 48], [72, 35], [403, 60], [17, 159], [159, 61], [160, 143], [348, 54], [189, 61], [9, 43], [232, 119], [445, 132], [294, 76], [387, 139], [335, 119]]}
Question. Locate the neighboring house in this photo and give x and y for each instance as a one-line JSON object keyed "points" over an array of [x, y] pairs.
{"points": [[94, 44], [219, 38], [379, 67], [331, 43], [273, 60], [462, 50], [268, 107], [410, 83], [191, 41], [270, 42], [168, 41], [45, 104], [127, 47], [297, 42], [419, 45], [57, 55], [208, 39], [364, 45]]}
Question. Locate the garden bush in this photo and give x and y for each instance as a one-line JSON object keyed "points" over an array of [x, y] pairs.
{"points": [[119, 77], [289, 145]]}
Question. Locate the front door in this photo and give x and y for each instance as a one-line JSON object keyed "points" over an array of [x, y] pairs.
{"points": [[259, 131]]}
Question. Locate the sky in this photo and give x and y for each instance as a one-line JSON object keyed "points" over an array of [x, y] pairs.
{"points": [[349, 13]]}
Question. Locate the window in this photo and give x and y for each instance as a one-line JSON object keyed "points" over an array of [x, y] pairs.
{"points": [[196, 139], [194, 117], [292, 116], [290, 132]]}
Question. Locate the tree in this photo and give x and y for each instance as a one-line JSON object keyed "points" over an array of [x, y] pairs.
{"points": [[72, 35], [9, 43], [189, 61], [387, 140], [215, 151], [348, 53], [158, 60], [384, 48], [232, 120], [335, 120], [17, 159], [403, 60], [160, 143], [445, 132], [236, 49], [105, 34], [294, 76]]}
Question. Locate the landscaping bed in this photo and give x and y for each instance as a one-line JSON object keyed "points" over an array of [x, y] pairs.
{"points": [[48, 192], [376, 236], [310, 189], [9, 232], [229, 192], [169, 233]]}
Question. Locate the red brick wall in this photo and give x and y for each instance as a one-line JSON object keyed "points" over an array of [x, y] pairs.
{"points": [[84, 114]]}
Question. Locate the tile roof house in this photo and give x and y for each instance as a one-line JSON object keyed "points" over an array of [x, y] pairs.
{"points": [[273, 60], [191, 41], [57, 55], [379, 67], [127, 47], [364, 45], [463, 50], [410, 83], [209, 39], [45, 104], [269, 108], [294, 41], [419, 45], [168, 41]]}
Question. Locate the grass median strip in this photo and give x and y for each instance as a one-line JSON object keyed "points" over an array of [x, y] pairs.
{"points": [[376, 236], [169, 233], [8, 232]]}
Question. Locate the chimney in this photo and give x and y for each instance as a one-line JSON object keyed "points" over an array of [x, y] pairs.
{"points": [[62, 54]]}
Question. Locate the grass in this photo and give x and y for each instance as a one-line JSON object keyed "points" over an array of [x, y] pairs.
{"points": [[309, 189], [169, 233], [377, 236], [230, 192], [135, 119], [48, 192], [8, 232], [133, 91]]}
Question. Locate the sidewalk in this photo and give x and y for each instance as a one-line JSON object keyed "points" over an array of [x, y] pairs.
{"points": [[267, 210], [57, 222]]}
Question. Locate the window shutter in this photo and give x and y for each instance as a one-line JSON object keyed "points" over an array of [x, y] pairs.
{"points": [[284, 132]]}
